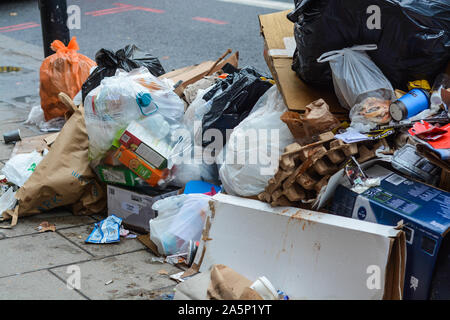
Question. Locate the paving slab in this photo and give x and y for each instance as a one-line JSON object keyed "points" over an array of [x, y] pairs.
{"points": [[134, 276], [20, 88], [39, 285], [79, 234], [100, 216], [36, 252], [60, 218], [5, 151]]}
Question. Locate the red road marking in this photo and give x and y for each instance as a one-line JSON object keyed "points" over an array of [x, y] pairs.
{"points": [[149, 9], [17, 27], [109, 11], [96, 14], [121, 7], [209, 20]]}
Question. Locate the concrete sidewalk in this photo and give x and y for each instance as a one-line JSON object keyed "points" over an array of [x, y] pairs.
{"points": [[36, 265]]}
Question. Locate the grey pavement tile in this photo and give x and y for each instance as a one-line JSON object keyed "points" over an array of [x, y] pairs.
{"points": [[22, 51], [5, 151], [59, 217], [36, 252], [9, 113], [39, 285], [134, 277], [79, 234]]}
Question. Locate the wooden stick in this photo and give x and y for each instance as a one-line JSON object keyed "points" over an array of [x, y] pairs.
{"points": [[218, 60]]}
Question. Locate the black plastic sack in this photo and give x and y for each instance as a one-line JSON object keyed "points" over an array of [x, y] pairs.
{"points": [[241, 89], [127, 58], [413, 41]]}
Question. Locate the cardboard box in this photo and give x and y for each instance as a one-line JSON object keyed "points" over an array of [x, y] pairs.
{"points": [[140, 167], [117, 175], [145, 145], [425, 212], [279, 46], [134, 208], [306, 254]]}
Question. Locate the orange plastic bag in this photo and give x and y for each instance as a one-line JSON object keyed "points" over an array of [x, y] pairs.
{"points": [[65, 71]]}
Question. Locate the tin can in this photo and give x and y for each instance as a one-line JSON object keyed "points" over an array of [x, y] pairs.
{"points": [[412, 103]]}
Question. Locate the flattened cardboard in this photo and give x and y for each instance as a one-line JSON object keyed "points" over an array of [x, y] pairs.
{"points": [[38, 143], [276, 29], [145, 240], [306, 254]]}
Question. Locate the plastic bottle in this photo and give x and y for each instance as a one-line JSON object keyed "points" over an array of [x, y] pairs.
{"points": [[157, 125]]}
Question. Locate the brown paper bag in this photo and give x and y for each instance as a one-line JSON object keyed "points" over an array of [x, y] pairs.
{"points": [[306, 127], [227, 284], [63, 177]]}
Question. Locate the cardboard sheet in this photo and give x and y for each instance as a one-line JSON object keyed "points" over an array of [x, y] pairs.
{"points": [[278, 31], [38, 143], [306, 254]]}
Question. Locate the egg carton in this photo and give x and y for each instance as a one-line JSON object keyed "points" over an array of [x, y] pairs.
{"points": [[304, 170]]}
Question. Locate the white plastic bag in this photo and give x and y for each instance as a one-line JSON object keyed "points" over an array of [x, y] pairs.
{"points": [[125, 97], [360, 86], [7, 200], [180, 219], [20, 167], [36, 117], [268, 136], [192, 168]]}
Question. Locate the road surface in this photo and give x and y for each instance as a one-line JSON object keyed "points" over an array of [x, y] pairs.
{"points": [[179, 32]]}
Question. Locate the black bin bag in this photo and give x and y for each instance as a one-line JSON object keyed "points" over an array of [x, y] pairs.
{"points": [[413, 39], [233, 98], [128, 58]]}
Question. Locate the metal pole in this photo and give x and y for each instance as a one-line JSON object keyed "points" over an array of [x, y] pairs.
{"points": [[54, 23]]}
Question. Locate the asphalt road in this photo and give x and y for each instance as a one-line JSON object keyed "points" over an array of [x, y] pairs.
{"points": [[179, 32]]}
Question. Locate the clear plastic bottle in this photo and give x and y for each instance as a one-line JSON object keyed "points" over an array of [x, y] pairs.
{"points": [[156, 124]]}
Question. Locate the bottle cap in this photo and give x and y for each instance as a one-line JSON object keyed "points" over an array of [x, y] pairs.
{"points": [[143, 99]]}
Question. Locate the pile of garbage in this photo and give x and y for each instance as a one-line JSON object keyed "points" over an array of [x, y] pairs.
{"points": [[157, 149]]}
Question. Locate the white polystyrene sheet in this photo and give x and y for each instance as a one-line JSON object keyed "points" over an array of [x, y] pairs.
{"points": [[309, 256]]}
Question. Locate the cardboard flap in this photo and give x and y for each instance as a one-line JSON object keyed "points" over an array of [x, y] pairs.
{"points": [[395, 269]]}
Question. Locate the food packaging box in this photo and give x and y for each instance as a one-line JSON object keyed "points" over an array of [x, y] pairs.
{"points": [[140, 167], [134, 208]]}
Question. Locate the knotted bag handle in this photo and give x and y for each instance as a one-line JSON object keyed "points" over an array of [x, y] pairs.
{"points": [[331, 55]]}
